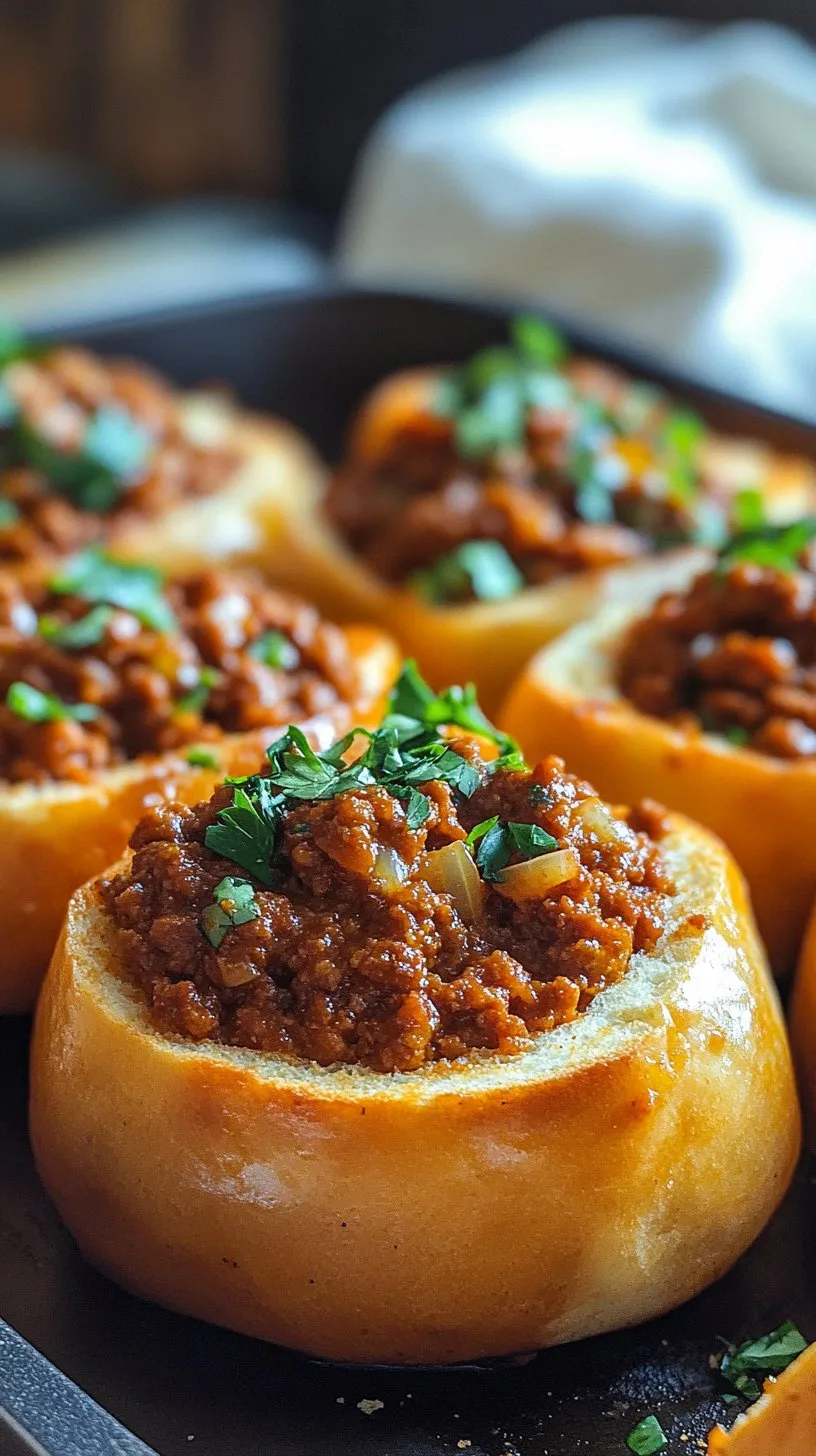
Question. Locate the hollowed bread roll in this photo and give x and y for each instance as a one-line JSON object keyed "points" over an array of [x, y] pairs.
{"points": [[463, 1210], [68, 801], [490, 640], [567, 700]]}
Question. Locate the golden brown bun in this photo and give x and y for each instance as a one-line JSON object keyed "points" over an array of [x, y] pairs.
{"points": [[606, 1175], [489, 642], [783, 1420], [243, 521], [55, 836], [566, 701]]}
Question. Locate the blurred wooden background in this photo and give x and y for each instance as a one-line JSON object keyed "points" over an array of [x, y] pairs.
{"points": [[270, 97], [169, 96]]}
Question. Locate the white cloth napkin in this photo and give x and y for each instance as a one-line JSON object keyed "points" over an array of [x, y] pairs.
{"points": [[638, 174]]}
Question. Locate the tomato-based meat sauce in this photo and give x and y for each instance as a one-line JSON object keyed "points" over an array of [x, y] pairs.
{"points": [[88, 445], [385, 941], [103, 663], [734, 655], [514, 474]]}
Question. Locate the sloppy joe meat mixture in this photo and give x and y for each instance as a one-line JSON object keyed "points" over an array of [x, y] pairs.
{"points": [[735, 655], [355, 953], [88, 684], [88, 443], [596, 471]]}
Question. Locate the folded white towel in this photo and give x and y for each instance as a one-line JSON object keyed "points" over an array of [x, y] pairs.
{"points": [[655, 179]]}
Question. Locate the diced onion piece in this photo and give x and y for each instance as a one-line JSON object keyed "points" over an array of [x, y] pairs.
{"points": [[534, 878], [451, 871], [389, 870], [596, 817], [232, 973]]}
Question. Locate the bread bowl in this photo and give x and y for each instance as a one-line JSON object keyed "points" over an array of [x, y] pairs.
{"points": [[117, 692], [370, 1162], [500, 502], [624, 691], [99, 450]]}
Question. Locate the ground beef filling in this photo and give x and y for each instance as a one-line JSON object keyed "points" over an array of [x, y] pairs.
{"points": [[58, 396], [240, 657], [736, 655], [404, 512], [341, 966]]}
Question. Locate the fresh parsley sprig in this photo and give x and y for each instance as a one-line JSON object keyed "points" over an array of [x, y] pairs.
{"points": [[483, 570], [233, 903], [34, 706], [95, 577], [499, 842], [745, 1366], [405, 752], [779, 547]]}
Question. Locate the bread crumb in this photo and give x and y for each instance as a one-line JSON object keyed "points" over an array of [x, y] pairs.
{"points": [[368, 1407], [463, 1445], [341, 1400]]}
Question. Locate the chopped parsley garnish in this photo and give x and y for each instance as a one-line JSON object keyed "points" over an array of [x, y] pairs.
{"points": [[234, 903], [777, 547], [737, 735], [275, 650], [94, 577], [479, 569], [36, 707], [9, 513], [488, 398], [114, 451], [746, 1366], [86, 631], [682, 434], [201, 758], [196, 700], [13, 345], [749, 511], [405, 752], [498, 842], [647, 1438]]}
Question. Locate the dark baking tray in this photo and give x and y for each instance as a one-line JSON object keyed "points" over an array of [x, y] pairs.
{"points": [[184, 1387]]}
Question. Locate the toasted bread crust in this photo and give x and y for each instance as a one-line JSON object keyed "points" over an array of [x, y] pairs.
{"points": [[243, 522], [53, 837], [462, 1211], [567, 701]]}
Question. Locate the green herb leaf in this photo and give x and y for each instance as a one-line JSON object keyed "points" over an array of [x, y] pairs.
{"points": [[13, 345], [196, 700], [647, 1438], [9, 410], [499, 842], [769, 1355], [537, 341], [199, 757], [117, 442], [95, 577], [405, 752], [86, 631], [479, 569], [234, 903], [737, 735], [777, 547], [245, 832], [530, 840], [683, 433], [9, 514], [480, 830], [749, 511], [275, 650], [37, 707]]}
